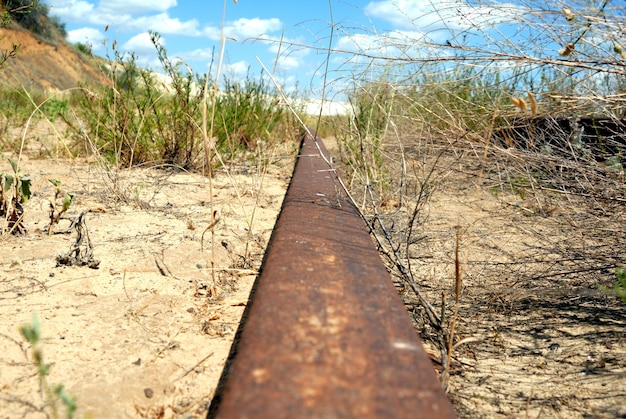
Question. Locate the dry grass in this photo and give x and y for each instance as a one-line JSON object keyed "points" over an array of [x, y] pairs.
{"points": [[539, 235], [492, 141]]}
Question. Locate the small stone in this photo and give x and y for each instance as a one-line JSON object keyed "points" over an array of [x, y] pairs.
{"points": [[148, 392], [554, 347]]}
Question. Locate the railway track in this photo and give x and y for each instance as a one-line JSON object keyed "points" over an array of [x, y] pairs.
{"points": [[325, 334]]}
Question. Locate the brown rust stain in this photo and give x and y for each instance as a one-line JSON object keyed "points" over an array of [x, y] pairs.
{"points": [[326, 334]]}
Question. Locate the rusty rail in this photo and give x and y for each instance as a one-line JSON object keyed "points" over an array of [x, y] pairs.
{"points": [[326, 335]]}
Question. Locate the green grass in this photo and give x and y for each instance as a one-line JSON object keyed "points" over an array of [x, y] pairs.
{"points": [[55, 394], [139, 119]]}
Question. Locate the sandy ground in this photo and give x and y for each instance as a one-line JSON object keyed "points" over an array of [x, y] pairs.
{"points": [[541, 344], [542, 338], [148, 332]]}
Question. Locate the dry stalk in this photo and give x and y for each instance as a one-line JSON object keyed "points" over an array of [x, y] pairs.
{"points": [[458, 286], [209, 139], [196, 365], [486, 149], [38, 110]]}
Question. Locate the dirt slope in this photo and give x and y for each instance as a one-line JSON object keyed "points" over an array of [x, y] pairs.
{"points": [[44, 65]]}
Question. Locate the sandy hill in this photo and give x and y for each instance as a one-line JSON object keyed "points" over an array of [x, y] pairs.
{"points": [[41, 64]]}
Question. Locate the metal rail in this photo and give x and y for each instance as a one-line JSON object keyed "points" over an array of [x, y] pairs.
{"points": [[326, 335]]}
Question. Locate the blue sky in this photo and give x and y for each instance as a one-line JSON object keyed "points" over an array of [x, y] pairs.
{"points": [[190, 30]]}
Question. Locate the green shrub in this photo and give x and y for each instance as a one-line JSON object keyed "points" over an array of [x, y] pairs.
{"points": [[139, 119], [53, 107], [32, 15], [59, 25], [247, 112], [17, 105], [5, 20], [362, 143], [85, 48], [119, 118], [136, 119]]}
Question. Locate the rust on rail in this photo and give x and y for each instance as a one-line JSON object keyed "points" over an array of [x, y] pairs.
{"points": [[326, 334]]}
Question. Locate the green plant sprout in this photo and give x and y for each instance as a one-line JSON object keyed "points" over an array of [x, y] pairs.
{"points": [[619, 288], [56, 210], [52, 108], [32, 333], [14, 194]]}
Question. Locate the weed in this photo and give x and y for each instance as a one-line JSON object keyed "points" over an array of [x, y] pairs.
{"points": [[119, 119], [247, 112], [53, 393], [620, 284], [85, 48], [176, 113], [56, 210], [619, 287], [144, 118], [329, 126], [520, 186], [15, 104], [53, 108], [5, 55], [14, 194], [81, 251], [362, 147]]}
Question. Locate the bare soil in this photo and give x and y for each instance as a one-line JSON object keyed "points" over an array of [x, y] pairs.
{"points": [[45, 65], [543, 338], [148, 332], [547, 344]]}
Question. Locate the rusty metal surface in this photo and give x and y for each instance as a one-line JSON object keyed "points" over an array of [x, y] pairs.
{"points": [[326, 334]]}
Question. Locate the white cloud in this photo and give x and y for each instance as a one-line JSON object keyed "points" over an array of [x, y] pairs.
{"points": [[72, 10], [141, 44], [428, 15], [200, 54], [130, 7], [291, 56], [236, 70], [288, 63], [358, 43], [161, 23], [249, 28], [125, 15], [242, 29], [394, 44], [90, 36]]}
